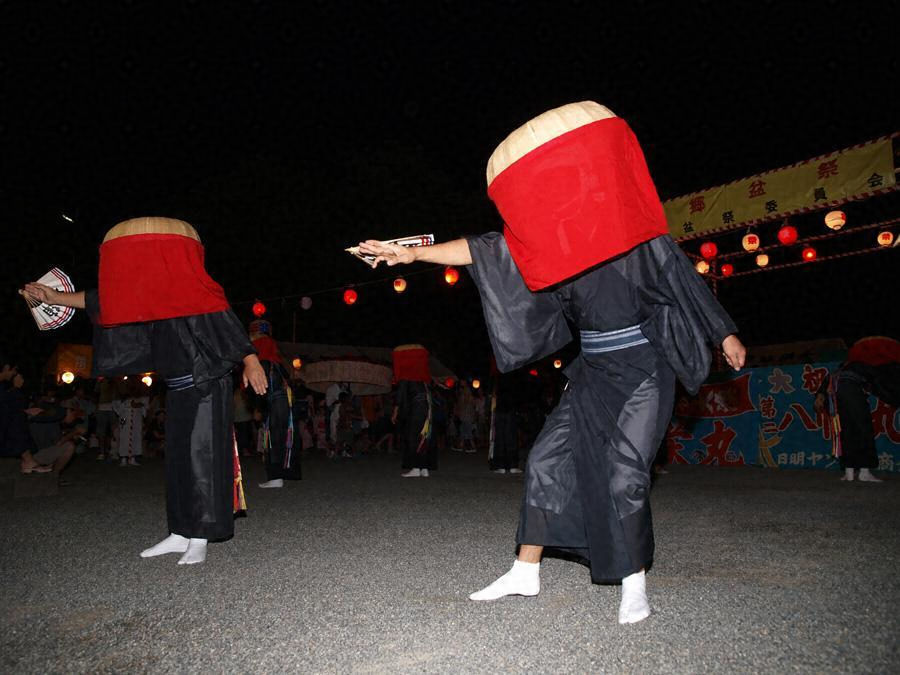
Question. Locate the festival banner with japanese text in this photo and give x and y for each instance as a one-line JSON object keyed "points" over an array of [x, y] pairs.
{"points": [[830, 180], [765, 417]]}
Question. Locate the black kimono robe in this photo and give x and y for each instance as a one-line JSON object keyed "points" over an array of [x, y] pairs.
{"points": [[587, 482], [414, 409], [198, 353], [281, 461]]}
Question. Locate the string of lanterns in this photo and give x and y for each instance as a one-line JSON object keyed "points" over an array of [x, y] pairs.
{"points": [[349, 292], [787, 235]]}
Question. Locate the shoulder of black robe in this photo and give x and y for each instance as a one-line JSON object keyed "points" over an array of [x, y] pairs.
{"points": [[684, 316], [217, 343], [523, 326], [118, 350]]}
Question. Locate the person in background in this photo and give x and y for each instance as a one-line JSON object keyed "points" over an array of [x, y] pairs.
{"points": [[465, 413], [504, 435], [413, 411], [155, 435], [243, 422], [131, 409], [872, 367], [106, 420], [15, 438]]}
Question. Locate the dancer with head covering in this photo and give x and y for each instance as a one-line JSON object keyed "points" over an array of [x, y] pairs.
{"points": [[585, 241], [281, 455], [872, 367], [412, 414], [157, 309]]}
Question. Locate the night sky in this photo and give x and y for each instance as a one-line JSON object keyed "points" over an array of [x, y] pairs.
{"points": [[287, 131]]}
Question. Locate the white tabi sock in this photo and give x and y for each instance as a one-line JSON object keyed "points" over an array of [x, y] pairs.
{"points": [[634, 606], [523, 579], [174, 543], [196, 552], [848, 474], [868, 477], [274, 483]]}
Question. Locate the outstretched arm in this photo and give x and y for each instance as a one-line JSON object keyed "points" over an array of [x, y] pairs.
{"points": [[455, 252], [50, 296]]}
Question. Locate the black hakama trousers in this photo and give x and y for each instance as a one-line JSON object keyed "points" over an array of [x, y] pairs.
{"points": [[506, 441], [200, 461], [409, 437], [278, 431], [857, 433], [587, 484]]}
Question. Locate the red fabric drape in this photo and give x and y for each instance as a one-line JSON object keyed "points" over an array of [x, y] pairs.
{"points": [[576, 201], [146, 277]]}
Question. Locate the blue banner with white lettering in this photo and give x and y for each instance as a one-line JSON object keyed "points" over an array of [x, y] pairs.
{"points": [[766, 417]]}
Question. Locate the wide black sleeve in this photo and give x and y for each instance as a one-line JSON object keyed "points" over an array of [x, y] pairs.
{"points": [[523, 326], [118, 350], [685, 318], [219, 340]]}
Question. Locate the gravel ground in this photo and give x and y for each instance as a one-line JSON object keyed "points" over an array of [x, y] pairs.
{"points": [[357, 570]]}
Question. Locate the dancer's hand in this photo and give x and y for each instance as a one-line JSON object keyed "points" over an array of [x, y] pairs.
{"points": [[735, 352], [392, 254], [41, 292], [254, 375]]}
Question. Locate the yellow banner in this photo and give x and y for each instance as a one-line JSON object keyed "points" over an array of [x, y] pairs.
{"points": [[829, 180]]}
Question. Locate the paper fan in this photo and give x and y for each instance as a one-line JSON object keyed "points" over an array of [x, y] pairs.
{"points": [[48, 317], [415, 240]]}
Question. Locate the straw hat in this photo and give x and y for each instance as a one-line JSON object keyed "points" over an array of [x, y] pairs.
{"points": [[151, 225], [543, 128]]}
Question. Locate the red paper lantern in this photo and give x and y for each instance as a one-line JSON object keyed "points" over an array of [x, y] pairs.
{"points": [[258, 309], [809, 253], [709, 250], [727, 269], [350, 296], [399, 284], [533, 372], [451, 275], [449, 382], [885, 238], [787, 235]]}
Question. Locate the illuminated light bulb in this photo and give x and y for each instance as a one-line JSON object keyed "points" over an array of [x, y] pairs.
{"points": [[762, 260], [557, 363], [297, 363], [476, 384], [809, 253], [146, 379], [68, 377]]}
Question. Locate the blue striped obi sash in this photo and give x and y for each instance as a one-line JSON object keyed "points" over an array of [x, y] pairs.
{"points": [[598, 342], [179, 383]]}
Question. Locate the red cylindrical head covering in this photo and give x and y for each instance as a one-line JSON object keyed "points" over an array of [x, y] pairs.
{"points": [[574, 191], [411, 363], [152, 268], [875, 351]]}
